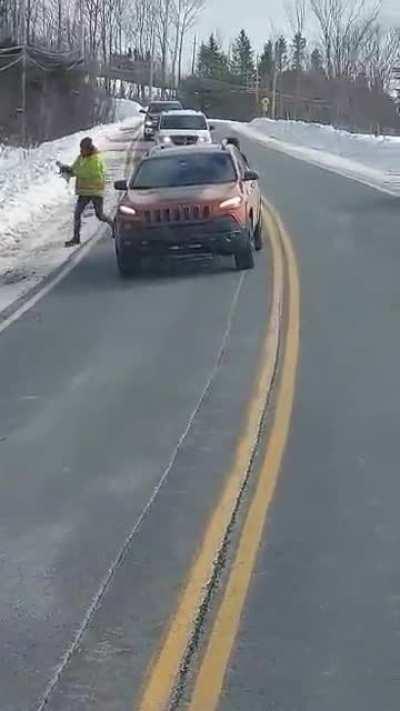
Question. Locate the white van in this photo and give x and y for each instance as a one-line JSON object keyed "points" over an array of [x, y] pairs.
{"points": [[183, 128]]}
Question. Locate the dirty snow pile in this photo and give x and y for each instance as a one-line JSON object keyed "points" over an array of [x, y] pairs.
{"points": [[36, 204], [372, 160]]}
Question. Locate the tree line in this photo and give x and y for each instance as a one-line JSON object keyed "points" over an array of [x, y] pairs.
{"points": [[352, 42], [41, 98], [334, 65], [101, 29], [352, 55]]}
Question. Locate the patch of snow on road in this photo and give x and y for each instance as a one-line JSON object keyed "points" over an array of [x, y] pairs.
{"points": [[372, 160], [125, 109]]}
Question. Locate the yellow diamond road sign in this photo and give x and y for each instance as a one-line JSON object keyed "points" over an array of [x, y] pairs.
{"points": [[265, 104]]}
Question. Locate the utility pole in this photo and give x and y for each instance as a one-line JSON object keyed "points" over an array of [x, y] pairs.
{"points": [[81, 30], [194, 55], [257, 82], [274, 85], [23, 73], [152, 49], [151, 80], [23, 87], [396, 77]]}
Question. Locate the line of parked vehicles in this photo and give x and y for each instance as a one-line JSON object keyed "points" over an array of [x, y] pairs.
{"points": [[168, 124], [188, 195]]}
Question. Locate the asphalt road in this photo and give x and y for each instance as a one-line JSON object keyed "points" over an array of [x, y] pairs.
{"points": [[112, 389], [121, 403], [321, 626]]}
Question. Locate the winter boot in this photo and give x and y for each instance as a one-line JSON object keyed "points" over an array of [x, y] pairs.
{"points": [[72, 242]]}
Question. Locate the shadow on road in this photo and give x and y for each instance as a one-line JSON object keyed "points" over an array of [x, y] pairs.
{"points": [[99, 270], [181, 267]]}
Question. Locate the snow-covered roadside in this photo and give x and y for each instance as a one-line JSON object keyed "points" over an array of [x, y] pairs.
{"points": [[29, 180], [125, 109], [36, 204], [369, 159]]}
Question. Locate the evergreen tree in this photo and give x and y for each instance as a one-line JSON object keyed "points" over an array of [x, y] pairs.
{"points": [[242, 63], [212, 62], [298, 52], [266, 63], [317, 63], [281, 53]]}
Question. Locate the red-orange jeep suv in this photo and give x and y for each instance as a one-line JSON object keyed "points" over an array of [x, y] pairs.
{"points": [[189, 200]]}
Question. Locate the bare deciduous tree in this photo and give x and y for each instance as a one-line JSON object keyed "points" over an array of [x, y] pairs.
{"points": [[296, 11], [185, 14], [153, 29], [164, 21], [382, 55], [324, 13], [345, 27]]}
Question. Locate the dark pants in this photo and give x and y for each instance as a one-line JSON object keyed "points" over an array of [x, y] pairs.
{"points": [[81, 203]]}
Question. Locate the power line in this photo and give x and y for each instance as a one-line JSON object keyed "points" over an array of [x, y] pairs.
{"points": [[11, 64]]}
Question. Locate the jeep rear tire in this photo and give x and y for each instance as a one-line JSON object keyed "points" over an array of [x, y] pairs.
{"points": [[245, 258], [127, 267], [258, 237]]}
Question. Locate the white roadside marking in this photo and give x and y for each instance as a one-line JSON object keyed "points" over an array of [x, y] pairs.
{"points": [[312, 157], [74, 260], [318, 163]]}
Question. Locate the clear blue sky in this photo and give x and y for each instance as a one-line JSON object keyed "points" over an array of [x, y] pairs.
{"points": [[255, 16]]}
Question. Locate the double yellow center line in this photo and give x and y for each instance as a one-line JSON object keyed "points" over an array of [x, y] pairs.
{"points": [[164, 670], [212, 671]]}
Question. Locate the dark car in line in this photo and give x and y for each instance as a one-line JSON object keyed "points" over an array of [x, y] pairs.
{"points": [[153, 113], [189, 200]]}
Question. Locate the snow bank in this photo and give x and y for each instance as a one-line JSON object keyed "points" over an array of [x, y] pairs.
{"points": [[369, 159], [29, 181], [36, 204], [125, 109]]}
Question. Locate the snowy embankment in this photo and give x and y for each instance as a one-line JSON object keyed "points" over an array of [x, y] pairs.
{"points": [[36, 204], [368, 159]]}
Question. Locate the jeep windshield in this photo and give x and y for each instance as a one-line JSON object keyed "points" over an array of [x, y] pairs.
{"points": [[159, 107], [180, 122], [179, 170]]}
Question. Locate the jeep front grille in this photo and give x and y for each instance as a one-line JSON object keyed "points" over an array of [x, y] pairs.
{"points": [[177, 214], [184, 140]]}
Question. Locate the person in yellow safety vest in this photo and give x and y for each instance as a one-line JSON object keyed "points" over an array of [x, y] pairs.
{"points": [[89, 171]]}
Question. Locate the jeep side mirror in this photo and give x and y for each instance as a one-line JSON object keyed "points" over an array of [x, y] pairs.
{"points": [[250, 176], [121, 185]]}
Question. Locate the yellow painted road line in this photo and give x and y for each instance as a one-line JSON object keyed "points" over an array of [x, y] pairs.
{"points": [[164, 668], [209, 683]]}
